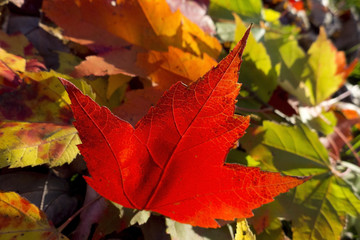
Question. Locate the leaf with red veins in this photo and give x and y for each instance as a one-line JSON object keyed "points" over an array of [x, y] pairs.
{"points": [[172, 162]]}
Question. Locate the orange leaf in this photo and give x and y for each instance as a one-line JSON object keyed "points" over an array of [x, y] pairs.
{"points": [[149, 24], [167, 68]]}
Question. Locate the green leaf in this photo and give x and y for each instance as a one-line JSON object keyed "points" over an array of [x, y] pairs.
{"points": [[318, 207], [37, 128], [67, 62], [311, 77], [272, 16], [325, 123], [106, 95], [293, 71], [247, 9], [322, 61], [256, 69], [275, 39], [298, 143], [53, 76], [25, 144], [273, 231], [225, 31]]}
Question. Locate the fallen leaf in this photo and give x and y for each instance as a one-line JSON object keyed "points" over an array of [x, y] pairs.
{"points": [[10, 66], [120, 61], [298, 5], [51, 194], [36, 102], [102, 87], [167, 68], [137, 31], [323, 61], [312, 77], [19, 45], [19, 219], [342, 68], [137, 22], [347, 116], [29, 144], [176, 152], [35, 117], [67, 62], [317, 208]]}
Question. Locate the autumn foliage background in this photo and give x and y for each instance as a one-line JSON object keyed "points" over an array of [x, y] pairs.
{"points": [[300, 76]]}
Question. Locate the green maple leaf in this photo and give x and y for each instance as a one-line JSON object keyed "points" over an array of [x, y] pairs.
{"points": [[318, 208], [311, 77]]}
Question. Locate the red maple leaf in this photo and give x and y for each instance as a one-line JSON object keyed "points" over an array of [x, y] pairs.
{"points": [[172, 162]]}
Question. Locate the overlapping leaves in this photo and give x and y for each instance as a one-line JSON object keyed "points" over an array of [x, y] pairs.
{"points": [[319, 207]]}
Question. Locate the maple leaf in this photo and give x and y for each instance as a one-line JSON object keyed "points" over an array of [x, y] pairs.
{"points": [[314, 76], [35, 117], [319, 207], [172, 162]]}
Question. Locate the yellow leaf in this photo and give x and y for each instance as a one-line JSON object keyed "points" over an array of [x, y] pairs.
{"points": [[243, 231], [11, 62], [19, 219], [29, 144], [116, 81]]}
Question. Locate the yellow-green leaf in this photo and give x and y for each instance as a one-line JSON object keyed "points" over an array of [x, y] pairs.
{"points": [[322, 60], [29, 144], [317, 208], [249, 9], [311, 77], [320, 207], [21, 220], [256, 69]]}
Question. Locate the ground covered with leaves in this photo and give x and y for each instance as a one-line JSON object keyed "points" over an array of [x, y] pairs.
{"points": [[300, 79]]}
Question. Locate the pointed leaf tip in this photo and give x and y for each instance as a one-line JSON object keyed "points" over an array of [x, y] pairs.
{"points": [[163, 153], [240, 46], [65, 82]]}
